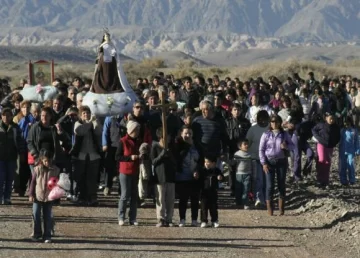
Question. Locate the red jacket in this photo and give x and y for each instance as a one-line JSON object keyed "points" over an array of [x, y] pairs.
{"points": [[130, 147]]}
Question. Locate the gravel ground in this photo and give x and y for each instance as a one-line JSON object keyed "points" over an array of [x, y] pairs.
{"points": [[94, 232], [318, 223]]}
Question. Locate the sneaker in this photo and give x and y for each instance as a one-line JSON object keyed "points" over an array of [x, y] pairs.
{"points": [[182, 223], [203, 225], [35, 239], [106, 191], [160, 224], [101, 187], [142, 202], [169, 224], [134, 223], [71, 198], [216, 224], [257, 203], [47, 241], [121, 222], [194, 223], [246, 207]]}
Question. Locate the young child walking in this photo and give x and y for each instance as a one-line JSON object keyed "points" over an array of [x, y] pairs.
{"points": [[39, 193], [242, 162], [127, 154], [209, 176], [164, 178], [349, 147]]}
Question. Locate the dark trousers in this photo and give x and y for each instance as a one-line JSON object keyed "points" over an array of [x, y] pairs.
{"points": [[304, 147], [47, 214], [188, 190], [110, 167], [86, 173], [7, 172], [209, 204], [24, 177], [242, 188], [276, 168]]}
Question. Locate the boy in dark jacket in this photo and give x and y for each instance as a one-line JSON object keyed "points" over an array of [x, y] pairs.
{"points": [[209, 176], [164, 177]]}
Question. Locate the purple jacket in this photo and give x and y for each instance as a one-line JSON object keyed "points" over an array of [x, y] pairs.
{"points": [[269, 147]]}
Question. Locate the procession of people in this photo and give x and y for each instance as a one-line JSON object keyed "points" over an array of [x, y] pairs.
{"points": [[259, 130]]}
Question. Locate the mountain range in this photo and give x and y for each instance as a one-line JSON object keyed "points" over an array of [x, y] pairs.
{"points": [[144, 28]]}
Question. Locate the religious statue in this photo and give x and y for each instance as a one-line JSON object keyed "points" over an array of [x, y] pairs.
{"points": [[106, 77]]}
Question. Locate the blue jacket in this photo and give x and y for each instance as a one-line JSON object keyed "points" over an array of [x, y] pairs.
{"points": [[349, 141], [106, 134], [24, 125]]}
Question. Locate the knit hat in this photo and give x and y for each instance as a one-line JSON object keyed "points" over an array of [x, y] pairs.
{"points": [[131, 126]]}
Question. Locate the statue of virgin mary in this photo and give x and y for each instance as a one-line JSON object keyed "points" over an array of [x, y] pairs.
{"points": [[107, 77]]}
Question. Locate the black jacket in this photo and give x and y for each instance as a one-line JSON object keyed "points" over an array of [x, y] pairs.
{"points": [[208, 178], [11, 142], [237, 129], [34, 143], [327, 135], [191, 97], [164, 164]]}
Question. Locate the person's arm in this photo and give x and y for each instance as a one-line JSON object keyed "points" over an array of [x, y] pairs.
{"points": [[20, 142], [97, 127], [119, 154], [155, 156], [33, 185], [289, 141], [225, 141], [82, 129], [105, 132], [357, 149], [31, 142], [262, 148], [249, 136], [6, 102]]}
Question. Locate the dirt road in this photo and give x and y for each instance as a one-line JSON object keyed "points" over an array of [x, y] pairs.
{"points": [[94, 232]]}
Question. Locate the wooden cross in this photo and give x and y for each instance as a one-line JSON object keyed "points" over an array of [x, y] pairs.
{"points": [[163, 107]]}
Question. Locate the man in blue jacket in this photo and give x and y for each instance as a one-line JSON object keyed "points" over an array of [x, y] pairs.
{"points": [[110, 140]]}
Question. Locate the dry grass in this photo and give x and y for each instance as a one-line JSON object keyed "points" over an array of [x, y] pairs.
{"points": [[149, 67], [284, 69]]}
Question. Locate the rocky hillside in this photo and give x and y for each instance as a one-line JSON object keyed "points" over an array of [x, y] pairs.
{"points": [[144, 28]]}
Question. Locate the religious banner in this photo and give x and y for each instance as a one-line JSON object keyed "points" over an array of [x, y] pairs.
{"points": [[41, 72]]}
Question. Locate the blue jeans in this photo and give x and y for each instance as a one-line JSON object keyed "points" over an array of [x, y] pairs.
{"points": [[129, 192], [347, 163], [47, 214], [242, 188], [278, 168], [7, 174], [259, 181]]}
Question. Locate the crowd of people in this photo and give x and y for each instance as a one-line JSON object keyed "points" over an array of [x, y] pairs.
{"points": [[259, 129]]}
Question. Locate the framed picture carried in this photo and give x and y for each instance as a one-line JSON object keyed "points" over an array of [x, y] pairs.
{"points": [[41, 72]]}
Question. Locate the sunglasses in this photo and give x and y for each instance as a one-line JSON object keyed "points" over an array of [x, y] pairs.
{"points": [[138, 107], [273, 121]]}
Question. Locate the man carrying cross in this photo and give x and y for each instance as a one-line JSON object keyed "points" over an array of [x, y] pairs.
{"points": [[164, 164]]}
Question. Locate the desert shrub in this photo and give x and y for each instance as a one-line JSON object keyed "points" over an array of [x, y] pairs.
{"points": [[68, 72], [347, 63], [284, 69], [183, 64], [153, 63]]}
